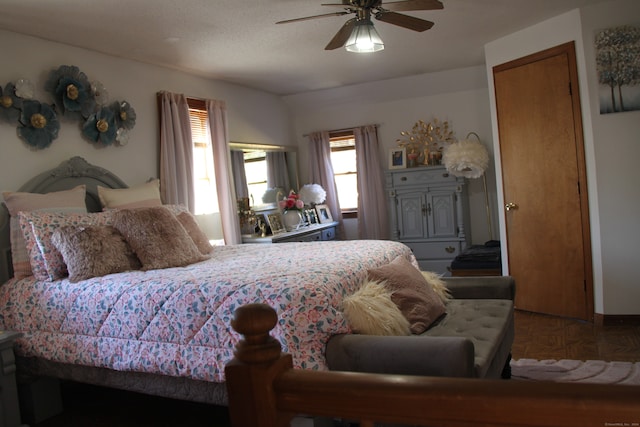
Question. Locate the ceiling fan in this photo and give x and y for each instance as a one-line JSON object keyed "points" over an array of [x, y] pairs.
{"points": [[362, 25]]}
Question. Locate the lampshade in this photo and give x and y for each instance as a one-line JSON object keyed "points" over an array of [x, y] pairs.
{"points": [[468, 158], [364, 38]]}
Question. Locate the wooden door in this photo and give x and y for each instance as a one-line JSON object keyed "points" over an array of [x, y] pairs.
{"points": [[544, 183]]}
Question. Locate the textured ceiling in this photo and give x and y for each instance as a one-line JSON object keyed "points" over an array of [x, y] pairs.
{"points": [[238, 41]]}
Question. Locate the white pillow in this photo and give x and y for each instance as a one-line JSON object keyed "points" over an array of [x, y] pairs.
{"points": [[140, 196], [72, 200]]}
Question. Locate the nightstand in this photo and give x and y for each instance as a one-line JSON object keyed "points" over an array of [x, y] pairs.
{"points": [[9, 407]]}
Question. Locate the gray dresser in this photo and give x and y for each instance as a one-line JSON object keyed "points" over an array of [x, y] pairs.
{"points": [[429, 212], [309, 233]]}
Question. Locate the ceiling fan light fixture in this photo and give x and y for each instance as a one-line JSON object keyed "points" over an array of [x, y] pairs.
{"points": [[364, 38]]}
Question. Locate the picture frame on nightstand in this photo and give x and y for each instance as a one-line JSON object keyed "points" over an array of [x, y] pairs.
{"points": [[324, 214], [275, 223]]}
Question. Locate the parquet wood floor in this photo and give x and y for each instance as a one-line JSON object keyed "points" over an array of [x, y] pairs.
{"points": [[537, 337]]}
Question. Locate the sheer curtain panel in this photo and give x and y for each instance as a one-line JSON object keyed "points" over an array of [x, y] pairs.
{"points": [[373, 219], [176, 151], [321, 172], [217, 112], [278, 170], [239, 174]]}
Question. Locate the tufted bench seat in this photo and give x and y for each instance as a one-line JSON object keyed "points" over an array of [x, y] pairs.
{"points": [[473, 340]]}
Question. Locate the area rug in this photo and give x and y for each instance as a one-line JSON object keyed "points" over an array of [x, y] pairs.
{"points": [[576, 371]]}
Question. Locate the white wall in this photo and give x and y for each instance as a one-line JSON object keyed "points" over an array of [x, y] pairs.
{"points": [[253, 116], [613, 202], [459, 96], [616, 150]]}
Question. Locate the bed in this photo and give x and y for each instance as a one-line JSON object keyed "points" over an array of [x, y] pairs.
{"points": [[166, 331]]}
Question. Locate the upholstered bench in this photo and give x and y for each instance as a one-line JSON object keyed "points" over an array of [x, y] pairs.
{"points": [[474, 339]]}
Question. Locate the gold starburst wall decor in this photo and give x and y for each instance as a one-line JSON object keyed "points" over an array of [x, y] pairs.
{"points": [[425, 141]]}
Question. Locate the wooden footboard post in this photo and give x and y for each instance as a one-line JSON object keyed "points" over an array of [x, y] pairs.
{"points": [[250, 375]]}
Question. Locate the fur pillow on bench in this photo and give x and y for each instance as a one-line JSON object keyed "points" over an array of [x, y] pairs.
{"points": [[397, 299], [371, 311]]}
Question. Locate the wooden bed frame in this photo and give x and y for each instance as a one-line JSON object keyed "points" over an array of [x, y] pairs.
{"points": [[265, 391]]}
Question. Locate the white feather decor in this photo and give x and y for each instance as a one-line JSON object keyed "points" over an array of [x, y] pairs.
{"points": [[312, 193], [468, 158]]}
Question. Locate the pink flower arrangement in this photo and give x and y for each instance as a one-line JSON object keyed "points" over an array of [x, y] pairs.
{"points": [[291, 202]]}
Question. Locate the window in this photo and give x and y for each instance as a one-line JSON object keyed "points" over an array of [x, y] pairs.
{"points": [[204, 177], [343, 159], [255, 169]]}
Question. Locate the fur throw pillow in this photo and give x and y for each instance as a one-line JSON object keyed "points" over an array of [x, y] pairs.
{"points": [[438, 285], [190, 224], [371, 311], [93, 251], [415, 298], [157, 237]]}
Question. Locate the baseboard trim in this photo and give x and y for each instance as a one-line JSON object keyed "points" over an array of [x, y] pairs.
{"points": [[616, 319]]}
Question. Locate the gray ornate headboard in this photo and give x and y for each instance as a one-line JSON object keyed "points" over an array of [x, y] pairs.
{"points": [[68, 174]]}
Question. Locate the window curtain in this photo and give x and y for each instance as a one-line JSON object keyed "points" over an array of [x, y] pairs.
{"points": [[277, 170], [217, 113], [373, 219], [321, 172], [176, 151], [239, 175]]}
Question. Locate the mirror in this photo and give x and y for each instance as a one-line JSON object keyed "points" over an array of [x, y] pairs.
{"points": [[250, 163]]}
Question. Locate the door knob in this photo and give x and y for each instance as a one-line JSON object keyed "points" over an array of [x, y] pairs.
{"points": [[510, 206]]}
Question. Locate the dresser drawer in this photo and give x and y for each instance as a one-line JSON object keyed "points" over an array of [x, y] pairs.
{"points": [[309, 237], [435, 250], [422, 176], [329, 234]]}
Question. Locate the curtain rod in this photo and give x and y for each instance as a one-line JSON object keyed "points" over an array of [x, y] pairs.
{"points": [[346, 129]]}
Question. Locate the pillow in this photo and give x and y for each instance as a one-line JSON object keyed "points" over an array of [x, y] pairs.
{"points": [[371, 311], [157, 237], [438, 285], [190, 224], [47, 262], [72, 200], [139, 196], [410, 292], [93, 251]]}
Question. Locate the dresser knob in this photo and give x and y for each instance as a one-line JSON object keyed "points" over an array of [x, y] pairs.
{"points": [[450, 249], [404, 178], [445, 175]]}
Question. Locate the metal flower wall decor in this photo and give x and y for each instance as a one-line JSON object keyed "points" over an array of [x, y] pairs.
{"points": [[425, 142], [103, 123]]}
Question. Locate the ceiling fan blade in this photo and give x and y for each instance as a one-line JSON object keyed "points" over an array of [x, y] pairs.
{"points": [[342, 35], [307, 18], [404, 21], [403, 6]]}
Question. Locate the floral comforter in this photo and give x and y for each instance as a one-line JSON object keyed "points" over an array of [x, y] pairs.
{"points": [[177, 321]]}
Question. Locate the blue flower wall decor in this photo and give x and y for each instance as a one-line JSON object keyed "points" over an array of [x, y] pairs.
{"points": [[39, 124], [103, 123], [101, 127], [71, 90], [10, 103], [125, 114], [74, 94]]}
